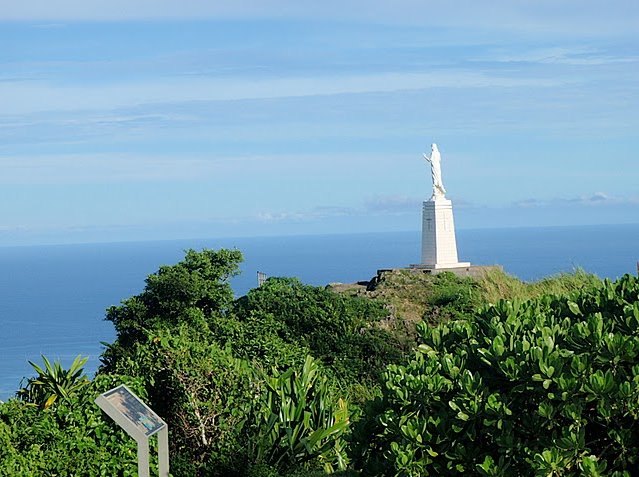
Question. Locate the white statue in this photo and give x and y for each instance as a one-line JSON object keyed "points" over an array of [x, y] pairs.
{"points": [[435, 160]]}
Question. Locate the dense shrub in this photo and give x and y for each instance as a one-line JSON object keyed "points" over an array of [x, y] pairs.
{"points": [[227, 416], [339, 330], [70, 437], [204, 363], [202, 391], [259, 337], [544, 387]]}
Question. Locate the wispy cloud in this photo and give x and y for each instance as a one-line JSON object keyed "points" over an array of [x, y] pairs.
{"points": [[379, 205], [592, 16], [20, 97], [282, 216], [270, 172], [105, 168], [392, 204], [313, 214], [559, 55], [594, 199], [94, 122]]}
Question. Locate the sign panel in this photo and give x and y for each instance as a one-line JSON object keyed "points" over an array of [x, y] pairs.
{"points": [[129, 405], [140, 422]]}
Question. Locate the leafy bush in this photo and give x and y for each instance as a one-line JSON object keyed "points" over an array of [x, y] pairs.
{"points": [[203, 392], [202, 361], [339, 330], [259, 337], [299, 422], [73, 437], [545, 387], [53, 382]]}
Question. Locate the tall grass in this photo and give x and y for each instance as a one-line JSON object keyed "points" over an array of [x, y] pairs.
{"points": [[412, 297], [495, 285]]}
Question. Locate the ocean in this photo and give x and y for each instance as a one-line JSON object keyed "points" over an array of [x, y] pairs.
{"points": [[53, 298]]}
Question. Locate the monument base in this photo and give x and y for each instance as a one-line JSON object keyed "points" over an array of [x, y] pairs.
{"points": [[440, 266], [439, 246], [473, 271]]}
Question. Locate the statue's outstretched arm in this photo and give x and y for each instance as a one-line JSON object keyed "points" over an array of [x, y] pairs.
{"points": [[426, 157]]}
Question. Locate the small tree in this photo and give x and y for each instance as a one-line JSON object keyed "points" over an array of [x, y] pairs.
{"points": [[192, 291]]}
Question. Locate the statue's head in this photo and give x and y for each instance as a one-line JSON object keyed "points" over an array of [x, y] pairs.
{"points": [[433, 147]]}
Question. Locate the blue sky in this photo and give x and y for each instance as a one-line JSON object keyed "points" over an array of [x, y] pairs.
{"points": [[159, 119]]}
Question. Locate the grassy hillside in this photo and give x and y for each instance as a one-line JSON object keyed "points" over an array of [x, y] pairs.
{"points": [[411, 296]]}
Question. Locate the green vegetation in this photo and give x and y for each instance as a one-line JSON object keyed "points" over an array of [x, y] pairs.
{"points": [[496, 285], [411, 297], [53, 382], [72, 437], [301, 421], [294, 320], [413, 375], [544, 387]]}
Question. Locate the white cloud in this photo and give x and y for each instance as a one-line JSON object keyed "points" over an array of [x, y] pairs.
{"points": [[282, 216], [393, 204], [594, 199], [31, 96], [559, 55], [592, 17], [92, 121], [380, 205], [267, 169], [314, 214], [105, 168]]}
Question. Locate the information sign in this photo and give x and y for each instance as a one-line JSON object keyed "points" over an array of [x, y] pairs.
{"points": [[130, 406], [140, 422]]}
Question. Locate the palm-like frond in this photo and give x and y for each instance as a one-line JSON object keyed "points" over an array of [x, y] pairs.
{"points": [[53, 382]]}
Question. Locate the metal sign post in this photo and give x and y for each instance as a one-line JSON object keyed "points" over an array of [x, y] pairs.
{"points": [[140, 422]]}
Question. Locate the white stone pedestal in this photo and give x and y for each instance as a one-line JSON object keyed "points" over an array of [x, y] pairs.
{"points": [[439, 246]]}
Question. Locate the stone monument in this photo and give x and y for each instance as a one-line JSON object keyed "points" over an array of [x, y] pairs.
{"points": [[439, 246]]}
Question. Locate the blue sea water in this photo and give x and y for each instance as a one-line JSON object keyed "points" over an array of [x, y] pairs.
{"points": [[53, 298]]}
